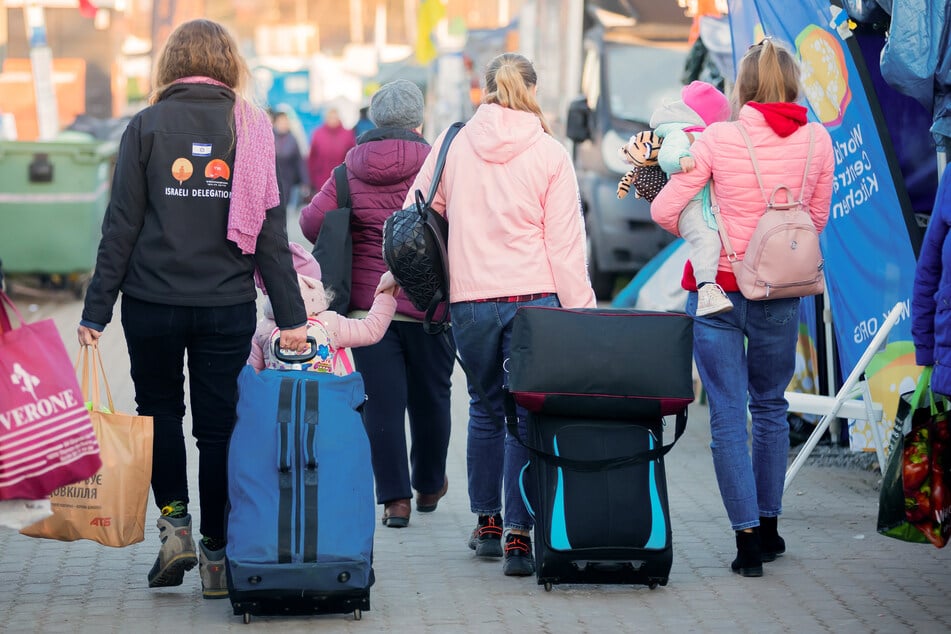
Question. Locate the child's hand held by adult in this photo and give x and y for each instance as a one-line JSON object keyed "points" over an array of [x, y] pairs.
{"points": [[388, 284]]}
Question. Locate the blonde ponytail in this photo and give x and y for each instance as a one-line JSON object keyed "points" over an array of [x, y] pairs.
{"points": [[509, 79], [768, 73]]}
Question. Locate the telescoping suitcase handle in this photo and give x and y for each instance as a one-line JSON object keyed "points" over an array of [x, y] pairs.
{"points": [[511, 422]]}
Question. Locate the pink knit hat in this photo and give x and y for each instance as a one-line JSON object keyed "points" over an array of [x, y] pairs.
{"points": [[708, 102], [304, 264]]}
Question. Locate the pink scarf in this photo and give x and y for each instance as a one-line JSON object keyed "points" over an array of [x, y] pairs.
{"points": [[254, 187]]}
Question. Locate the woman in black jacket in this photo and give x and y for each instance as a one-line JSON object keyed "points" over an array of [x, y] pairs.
{"points": [[194, 210]]}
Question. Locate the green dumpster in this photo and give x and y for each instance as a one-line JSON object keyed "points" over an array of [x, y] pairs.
{"points": [[53, 195]]}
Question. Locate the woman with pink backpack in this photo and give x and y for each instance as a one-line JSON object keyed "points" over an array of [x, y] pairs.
{"points": [[746, 357]]}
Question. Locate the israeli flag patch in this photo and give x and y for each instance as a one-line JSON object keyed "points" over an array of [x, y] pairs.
{"points": [[201, 149]]}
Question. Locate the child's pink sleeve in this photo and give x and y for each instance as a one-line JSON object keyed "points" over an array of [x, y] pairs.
{"points": [[258, 341], [353, 333], [256, 358]]}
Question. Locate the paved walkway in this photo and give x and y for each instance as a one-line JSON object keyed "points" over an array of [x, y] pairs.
{"points": [[838, 575]]}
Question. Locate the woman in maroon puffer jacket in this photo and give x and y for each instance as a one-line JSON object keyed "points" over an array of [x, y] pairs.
{"points": [[408, 369]]}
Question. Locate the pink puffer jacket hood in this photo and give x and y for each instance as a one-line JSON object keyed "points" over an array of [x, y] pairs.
{"points": [[510, 194]]}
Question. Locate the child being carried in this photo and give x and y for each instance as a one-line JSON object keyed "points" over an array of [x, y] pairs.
{"points": [[678, 124]]}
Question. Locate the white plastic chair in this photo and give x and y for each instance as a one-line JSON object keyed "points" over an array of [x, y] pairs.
{"points": [[844, 404]]}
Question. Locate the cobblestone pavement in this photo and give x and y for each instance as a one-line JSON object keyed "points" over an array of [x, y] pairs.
{"points": [[838, 574]]}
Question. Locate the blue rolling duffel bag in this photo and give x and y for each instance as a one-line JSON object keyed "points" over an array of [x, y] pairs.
{"points": [[597, 384], [300, 485]]}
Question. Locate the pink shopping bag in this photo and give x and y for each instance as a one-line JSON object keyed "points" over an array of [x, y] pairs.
{"points": [[46, 435]]}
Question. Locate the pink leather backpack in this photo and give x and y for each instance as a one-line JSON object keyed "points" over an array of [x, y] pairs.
{"points": [[783, 258]]}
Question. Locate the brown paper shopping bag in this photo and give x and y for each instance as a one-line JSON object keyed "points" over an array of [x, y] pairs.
{"points": [[108, 507]]}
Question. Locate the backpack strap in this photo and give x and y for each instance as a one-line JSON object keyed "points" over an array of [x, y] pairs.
{"points": [[438, 224], [721, 229], [805, 171], [441, 160], [770, 200], [343, 186], [715, 207], [338, 358]]}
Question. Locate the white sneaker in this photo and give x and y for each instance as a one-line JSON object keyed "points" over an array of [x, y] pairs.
{"points": [[711, 300]]}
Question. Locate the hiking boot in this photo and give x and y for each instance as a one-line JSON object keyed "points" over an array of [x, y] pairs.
{"points": [[519, 561], [177, 554], [712, 300], [211, 565], [486, 539]]}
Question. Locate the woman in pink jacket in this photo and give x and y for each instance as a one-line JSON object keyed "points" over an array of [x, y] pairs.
{"points": [[747, 356], [517, 239]]}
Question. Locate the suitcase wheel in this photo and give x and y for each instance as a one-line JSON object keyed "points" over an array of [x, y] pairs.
{"points": [[548, 586], [357, 614], [247, 617]]}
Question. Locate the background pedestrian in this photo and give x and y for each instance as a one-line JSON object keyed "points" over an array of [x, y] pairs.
{"points": [[329, 145]]}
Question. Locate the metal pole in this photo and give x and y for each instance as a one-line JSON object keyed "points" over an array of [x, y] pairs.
{"points": [[356, 21], [41, 62]]}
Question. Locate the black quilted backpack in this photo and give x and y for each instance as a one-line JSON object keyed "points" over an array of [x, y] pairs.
{"points": [[414, 249]]}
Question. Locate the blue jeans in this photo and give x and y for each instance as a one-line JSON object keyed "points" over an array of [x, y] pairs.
{"points": [[494, 459], [747, 357]]}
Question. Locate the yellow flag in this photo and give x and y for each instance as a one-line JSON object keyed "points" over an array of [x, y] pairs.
{"points": [[429, 14]]}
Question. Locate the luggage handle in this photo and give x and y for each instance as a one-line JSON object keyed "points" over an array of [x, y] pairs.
{"points": [[280, 355], [589, 466]]}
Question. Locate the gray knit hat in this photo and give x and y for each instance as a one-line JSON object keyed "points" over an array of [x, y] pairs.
{"points": [[397, 104]]}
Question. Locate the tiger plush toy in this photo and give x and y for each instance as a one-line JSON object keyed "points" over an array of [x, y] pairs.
{"points": [[645, 177]]}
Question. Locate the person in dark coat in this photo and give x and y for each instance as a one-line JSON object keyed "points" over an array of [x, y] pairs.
{"points": [[195, 210], [363, 123], [408, 370], [291, 168], [930, 318]]}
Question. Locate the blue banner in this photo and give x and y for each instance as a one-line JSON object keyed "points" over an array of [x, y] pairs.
{"points": [[870, 262]]}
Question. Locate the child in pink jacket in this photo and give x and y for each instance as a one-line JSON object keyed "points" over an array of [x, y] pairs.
{"points": [[679, 123], [333, 332]]}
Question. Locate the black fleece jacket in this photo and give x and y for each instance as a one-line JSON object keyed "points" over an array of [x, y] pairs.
{"points": [[164, 232]]}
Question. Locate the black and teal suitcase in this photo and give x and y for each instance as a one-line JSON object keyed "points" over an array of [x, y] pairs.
{"points": [[598, 384], [301, 511], [600, 500]]}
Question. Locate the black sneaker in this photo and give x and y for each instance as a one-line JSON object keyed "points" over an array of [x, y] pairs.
{"points": [[519, 561], [486, 539]]}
